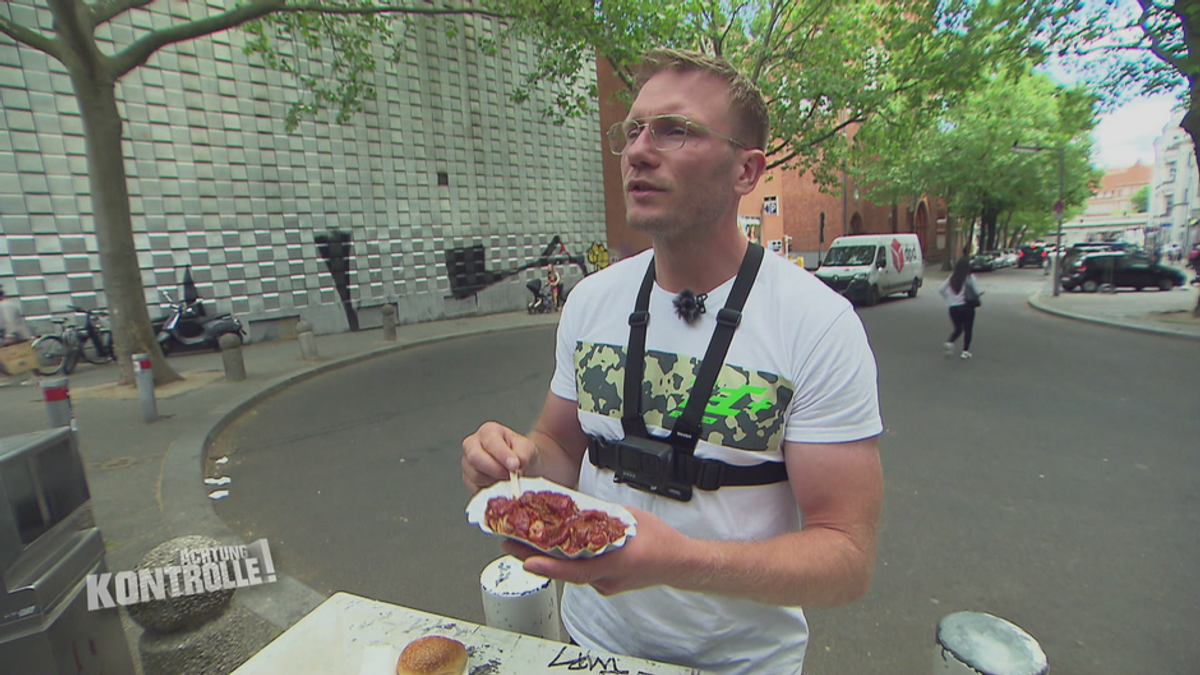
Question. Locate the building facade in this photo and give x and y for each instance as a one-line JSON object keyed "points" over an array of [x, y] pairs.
{"points": [[442, 197], [1174, 202], [789, 213], [1111, 214]]}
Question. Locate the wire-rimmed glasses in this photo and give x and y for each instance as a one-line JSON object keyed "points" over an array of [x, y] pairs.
{"points": [[667, 132]]}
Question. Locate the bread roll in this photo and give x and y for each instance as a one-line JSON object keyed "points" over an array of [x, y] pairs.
{"points": [[433, 655]]}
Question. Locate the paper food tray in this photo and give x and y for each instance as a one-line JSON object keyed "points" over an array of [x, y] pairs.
{"points": [[477, 507]]}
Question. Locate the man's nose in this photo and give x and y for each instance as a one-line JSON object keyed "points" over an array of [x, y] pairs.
{"points": [[641, 150]]}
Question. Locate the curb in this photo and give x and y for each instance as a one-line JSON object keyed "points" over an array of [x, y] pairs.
{"points": [[184, 499], [1036, 302]]}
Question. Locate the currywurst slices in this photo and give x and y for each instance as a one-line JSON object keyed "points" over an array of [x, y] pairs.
{"points": [[551, 518]]}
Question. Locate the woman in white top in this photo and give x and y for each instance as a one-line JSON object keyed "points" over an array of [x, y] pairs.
{"points": [[962, 313]]}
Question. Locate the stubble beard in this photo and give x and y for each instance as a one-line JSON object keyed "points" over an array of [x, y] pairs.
{"points": [[697, 213]]}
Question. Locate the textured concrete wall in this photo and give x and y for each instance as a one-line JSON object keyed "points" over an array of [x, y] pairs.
{"points": [[217, 184]]}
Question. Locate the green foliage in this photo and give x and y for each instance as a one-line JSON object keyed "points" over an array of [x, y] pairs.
{"points": [[826, 67], [331, 56], [1141, 199], [1124, 49], [966, 155]]}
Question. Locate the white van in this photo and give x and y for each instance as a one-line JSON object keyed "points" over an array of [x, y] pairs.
{"points": [[867, 267]]}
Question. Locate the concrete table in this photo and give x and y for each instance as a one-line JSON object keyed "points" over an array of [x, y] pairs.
{"points": [[336, 636]]}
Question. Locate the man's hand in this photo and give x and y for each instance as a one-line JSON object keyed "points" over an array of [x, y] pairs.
{"points": [[646, 559], [491, 452]]}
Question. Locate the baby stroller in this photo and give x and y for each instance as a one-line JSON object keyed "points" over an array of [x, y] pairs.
{"points": [[541, 302]]}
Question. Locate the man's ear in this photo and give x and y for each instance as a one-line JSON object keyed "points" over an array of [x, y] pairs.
{"points": [[751, 168]]}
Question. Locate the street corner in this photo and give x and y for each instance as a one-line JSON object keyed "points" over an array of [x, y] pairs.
{"points": [[113, 391]]}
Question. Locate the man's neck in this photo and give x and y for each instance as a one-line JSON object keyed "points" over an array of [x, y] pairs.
{"points": [[699, 263]]}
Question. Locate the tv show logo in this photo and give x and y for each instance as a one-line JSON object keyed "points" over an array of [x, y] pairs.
{"points": [[200, 570]]}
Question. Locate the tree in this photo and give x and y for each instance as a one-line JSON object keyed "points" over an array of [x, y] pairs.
{"points": [[1141, 199], [966, 156], [349, 26], [1125, 48], [825, 67]]}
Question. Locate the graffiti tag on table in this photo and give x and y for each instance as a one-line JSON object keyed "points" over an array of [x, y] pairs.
{"points": [[578, 660]]}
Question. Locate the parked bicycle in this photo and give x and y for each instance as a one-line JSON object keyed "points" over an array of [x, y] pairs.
{"points": [[62, 352]]}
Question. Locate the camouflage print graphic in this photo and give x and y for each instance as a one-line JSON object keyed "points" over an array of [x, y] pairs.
{"points": [[746, 410]]}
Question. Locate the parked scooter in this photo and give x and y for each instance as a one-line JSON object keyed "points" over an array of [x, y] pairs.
{"points": [[188, 327], [541, 302]]}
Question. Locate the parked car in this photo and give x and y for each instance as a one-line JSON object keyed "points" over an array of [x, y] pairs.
{"points": [[1031, 255], [1119, 269], [986, 261]]}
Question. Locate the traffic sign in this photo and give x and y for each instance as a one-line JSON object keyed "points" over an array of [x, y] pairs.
{"points": [[1058, 208]]}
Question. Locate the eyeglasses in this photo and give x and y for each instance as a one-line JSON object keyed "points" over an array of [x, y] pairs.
{"points": [[667, 132]]}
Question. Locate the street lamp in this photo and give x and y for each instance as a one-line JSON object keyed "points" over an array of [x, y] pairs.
{"points": [[1058, 207]]}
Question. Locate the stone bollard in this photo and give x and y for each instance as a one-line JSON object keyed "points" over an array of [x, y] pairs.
{"points": [[188, 632], [389, 322], [57, 396], [517, 601], [143, 374], [308, 343], [231, 356], [974, 643]]}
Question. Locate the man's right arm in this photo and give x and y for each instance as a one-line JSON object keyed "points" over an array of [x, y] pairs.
{"points": [[554, 449]]}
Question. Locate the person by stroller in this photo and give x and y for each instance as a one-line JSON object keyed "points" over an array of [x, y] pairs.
{"points": [[541, 302], [12, 322], [554, 279]]}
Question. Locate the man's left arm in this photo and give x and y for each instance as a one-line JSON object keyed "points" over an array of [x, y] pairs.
{"points": [[829, 562]]}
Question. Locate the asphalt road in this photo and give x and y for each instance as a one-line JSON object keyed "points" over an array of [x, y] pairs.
{"points": [[1052, 480]]}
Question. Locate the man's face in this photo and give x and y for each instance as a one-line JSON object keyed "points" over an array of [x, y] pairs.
{"points": [[669, 193]]}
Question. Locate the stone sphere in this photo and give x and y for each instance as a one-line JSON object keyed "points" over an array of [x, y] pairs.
{"points": [[179, 613]]}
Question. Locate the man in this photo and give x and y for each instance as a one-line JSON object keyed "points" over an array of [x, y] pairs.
{"points": [[12, 324], [715, 582]]}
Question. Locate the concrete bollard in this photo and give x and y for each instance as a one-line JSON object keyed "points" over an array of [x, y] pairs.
{"points": [[518, 601], [308, 343], [143, 374], [193, 633], [56, 394], [231, 356], [389, 322], [974, 643]]}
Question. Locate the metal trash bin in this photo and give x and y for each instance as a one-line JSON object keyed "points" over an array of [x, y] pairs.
{"points": [[49, 544]]}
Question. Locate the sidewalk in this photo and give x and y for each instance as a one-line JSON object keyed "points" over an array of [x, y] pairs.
{"points": [[146, 480], [1161, 312]]}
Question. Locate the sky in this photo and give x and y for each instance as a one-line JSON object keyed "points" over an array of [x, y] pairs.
{"points": [[1126, 135]]}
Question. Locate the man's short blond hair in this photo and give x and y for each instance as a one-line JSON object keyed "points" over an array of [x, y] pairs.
{"points": [[745, 99]]}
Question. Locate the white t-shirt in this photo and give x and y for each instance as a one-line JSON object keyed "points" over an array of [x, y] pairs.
{"points": [[960, 298], [799, 369]]}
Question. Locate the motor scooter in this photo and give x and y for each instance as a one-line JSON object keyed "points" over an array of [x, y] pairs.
{"points": [[188, 327], [541, 302]]}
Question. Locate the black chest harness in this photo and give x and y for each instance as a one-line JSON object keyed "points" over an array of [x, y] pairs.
{"points": [[669, 467]]}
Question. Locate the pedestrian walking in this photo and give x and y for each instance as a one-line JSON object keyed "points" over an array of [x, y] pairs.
{"points": [[962, 293]]}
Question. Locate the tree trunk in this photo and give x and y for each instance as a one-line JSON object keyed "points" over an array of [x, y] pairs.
{"points": [[128, 316], [1191, 124], [951, 242]]}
